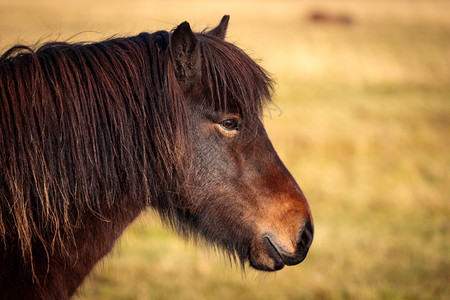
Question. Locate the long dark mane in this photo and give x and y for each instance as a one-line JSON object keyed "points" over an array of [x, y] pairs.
{"points": [[85, 127], [78, 128]]}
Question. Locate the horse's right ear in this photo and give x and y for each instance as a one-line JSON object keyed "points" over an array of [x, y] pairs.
{"points": [[185, 55]]}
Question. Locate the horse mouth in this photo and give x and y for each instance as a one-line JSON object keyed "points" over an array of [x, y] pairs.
{"points": [[270, 256], [274, 254], [265, 257]]}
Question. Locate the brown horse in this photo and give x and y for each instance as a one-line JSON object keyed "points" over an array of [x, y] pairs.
{"points": [[93, 134]]}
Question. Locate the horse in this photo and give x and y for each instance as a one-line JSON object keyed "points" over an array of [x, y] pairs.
{"points": [[93, 134]]}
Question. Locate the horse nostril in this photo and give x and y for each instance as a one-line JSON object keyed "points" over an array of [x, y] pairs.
{"points": [[305, 237]]}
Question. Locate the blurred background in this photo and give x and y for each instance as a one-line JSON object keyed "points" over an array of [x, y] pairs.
{"points": [[361, 118]]}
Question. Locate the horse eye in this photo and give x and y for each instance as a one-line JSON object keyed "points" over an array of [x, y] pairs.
{"points": [[229, 124]]}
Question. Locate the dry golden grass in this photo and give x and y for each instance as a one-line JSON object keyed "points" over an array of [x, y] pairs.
{"points": [[361, 118]]}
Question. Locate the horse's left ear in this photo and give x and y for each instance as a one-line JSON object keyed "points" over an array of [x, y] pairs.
{"points": [[185, 55], [221, 30]]}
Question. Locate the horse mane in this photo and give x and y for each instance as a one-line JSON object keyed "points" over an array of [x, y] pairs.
{"points": [[234, 80], [86, 126]]}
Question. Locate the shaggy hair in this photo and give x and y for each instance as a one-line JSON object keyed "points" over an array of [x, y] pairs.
{"points": [[84, 126]]}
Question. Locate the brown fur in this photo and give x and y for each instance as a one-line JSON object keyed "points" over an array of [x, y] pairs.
{"points": [[92, 134]]}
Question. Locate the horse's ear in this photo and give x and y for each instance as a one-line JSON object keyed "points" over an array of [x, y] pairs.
{"points": [[185, 55], [221, 30]]}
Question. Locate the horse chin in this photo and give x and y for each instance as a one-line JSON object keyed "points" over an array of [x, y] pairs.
{"points": [[266, 264]]}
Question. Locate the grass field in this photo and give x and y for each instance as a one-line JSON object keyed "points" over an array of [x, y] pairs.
{"points": [[361, 118]]}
